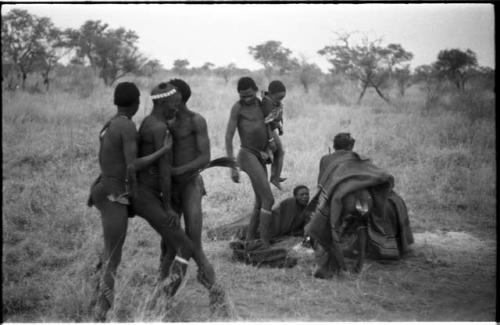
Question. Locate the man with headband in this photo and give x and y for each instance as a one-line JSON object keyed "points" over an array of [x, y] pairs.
{"points": [[153, 201], [191, 153], [113, 189]]}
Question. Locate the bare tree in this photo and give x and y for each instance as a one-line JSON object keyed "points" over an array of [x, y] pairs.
{"points": [[370, 63]]}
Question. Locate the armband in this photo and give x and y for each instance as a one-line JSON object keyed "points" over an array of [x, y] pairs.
{"points": [[271, 140]]}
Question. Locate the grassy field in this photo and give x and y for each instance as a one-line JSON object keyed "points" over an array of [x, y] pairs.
{"points": [[442, 157]]}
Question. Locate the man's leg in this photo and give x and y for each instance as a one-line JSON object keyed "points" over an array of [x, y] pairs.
{"points": [[114, 218], [149, 206], [250, 164], [191, 205]]}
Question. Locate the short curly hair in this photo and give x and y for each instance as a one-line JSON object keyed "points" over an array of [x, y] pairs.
{"points": [[182, 87], [343, 141]]}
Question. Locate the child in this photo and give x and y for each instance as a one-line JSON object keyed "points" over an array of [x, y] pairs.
{"points": [[273, 115]]}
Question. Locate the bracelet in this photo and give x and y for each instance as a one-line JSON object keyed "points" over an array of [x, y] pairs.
{"points": [[271, 140]]}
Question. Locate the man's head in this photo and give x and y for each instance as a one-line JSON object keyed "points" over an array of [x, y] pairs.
{"points": [[182, 87], [276, 90], [247, 89], [301, 194], [343, 141], [166, 98], [127, 97]]}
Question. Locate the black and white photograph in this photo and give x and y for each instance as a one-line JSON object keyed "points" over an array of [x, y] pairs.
{"points": [[248, 162]]}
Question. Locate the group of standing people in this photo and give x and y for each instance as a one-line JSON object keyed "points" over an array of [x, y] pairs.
{"points": [[155, 173]]}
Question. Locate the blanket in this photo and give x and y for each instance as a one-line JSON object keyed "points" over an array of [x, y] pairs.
{"points": [[344, 172]]}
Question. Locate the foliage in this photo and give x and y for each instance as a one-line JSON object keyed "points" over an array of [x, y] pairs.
{"points": [[29, 43], [368, 62], [112, 52], [151, 67], [274, 57], [180, 66], [402, 76], [431, 81], [207, 66], [308, 73], [456, 65], [226, 72]]}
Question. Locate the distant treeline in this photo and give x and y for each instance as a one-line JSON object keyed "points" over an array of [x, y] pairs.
{"points": [[33, 47]]}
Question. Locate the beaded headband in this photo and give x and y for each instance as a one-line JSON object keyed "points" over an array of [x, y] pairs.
{"points": [[163, 95]]}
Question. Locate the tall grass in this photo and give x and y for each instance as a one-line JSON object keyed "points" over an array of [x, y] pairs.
{"points": [[443, 160]]}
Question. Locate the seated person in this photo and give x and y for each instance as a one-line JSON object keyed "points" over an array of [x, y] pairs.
{"points": [[288, 219]]}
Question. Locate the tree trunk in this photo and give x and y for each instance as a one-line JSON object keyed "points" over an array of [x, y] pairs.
{"points": [[365, 85], [380, 94]]}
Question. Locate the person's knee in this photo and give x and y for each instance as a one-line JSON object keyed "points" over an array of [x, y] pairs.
{"points": [[267, 202]]}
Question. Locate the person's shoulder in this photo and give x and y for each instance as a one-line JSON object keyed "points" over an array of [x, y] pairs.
{"points": [[123, 122], [236, 105], [152, 124]]}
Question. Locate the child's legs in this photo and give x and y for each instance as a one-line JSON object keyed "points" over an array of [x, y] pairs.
{"points": [[279, 155]]}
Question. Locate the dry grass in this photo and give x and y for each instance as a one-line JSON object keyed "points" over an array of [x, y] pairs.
{"points": [[443, 160]]}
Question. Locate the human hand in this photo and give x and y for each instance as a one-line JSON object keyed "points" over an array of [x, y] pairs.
{"points": [[168, 141], [235, 175], [272, 145]]}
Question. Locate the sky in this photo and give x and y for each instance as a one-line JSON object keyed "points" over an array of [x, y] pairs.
{"points": [[222, 33]]}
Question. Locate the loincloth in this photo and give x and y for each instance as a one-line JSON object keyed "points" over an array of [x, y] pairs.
{"points": [[110, 189], [264, 157], [179, 185]]}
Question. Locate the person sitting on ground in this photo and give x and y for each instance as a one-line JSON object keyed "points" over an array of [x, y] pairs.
{"points": [[272, 108], [288, 219]]}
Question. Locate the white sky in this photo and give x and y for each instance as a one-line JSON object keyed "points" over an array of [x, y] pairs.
{"points": [[221, 33]]}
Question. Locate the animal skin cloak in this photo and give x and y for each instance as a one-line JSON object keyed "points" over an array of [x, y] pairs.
{"points": [[344, 172]]}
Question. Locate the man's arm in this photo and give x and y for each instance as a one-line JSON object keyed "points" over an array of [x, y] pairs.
{"points": [[203, 144], [230, 129], [159, 132], [129, 143]]}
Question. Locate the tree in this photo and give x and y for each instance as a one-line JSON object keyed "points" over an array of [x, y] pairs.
{"points": [[370, 63], [308, 73], [431, 82], [456, 66], [226, 72], [180, 66], [274, 57], [28, 40], [150, 67], [111, 52], [207, 66], [402, 76]]}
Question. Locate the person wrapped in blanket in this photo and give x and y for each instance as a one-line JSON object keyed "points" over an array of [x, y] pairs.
{"points": [[355, 211]]}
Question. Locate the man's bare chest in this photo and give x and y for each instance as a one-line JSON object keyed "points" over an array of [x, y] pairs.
{"points": [[182, 130]]}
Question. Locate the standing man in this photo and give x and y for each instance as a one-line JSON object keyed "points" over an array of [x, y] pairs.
{"points": [[248, 118], [112, 191], [153, 201], [191, 153]]}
